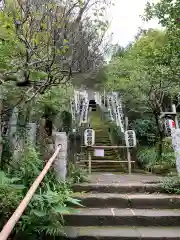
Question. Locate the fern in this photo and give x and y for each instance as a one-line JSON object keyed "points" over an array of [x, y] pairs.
{"points": [[51, 230], [45, 211], [77, 175]]}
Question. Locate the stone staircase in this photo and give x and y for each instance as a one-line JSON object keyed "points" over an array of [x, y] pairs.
{"points": [[110, 161], [126, 210]]}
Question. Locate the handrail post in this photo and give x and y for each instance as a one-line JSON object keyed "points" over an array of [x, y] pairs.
{"points": [[129, 160], [89, 161]]}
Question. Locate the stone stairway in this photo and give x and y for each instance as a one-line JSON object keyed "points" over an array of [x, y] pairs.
{"points": [[110, 161], [124, 210]]}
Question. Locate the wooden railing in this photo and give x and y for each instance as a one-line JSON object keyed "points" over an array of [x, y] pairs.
{"points": [[90, 161], [7, 229]]}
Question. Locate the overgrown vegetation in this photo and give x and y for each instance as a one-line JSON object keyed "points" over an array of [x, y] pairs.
{"points": [[47, 48], [146, 73], [171, 185], [52, 199], [77, 174]]}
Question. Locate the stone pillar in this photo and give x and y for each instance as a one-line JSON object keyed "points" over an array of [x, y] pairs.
{"points": [[176, 145], [60, 164], [13, 129], [31, 132]]}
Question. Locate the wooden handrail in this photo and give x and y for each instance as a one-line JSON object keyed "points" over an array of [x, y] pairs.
{"points": [[7, 229], [104, 147], [104, 161]]}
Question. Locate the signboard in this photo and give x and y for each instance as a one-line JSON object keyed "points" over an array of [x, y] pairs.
{"points": [[99, 152], [130, 138], [89, 137]]}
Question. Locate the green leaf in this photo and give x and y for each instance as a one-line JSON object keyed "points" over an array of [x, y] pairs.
{"points": [[18, 186], [62, 210], [74, 201], [38, 213]]}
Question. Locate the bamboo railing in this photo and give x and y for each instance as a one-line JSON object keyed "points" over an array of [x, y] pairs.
{"points": [[8, 227]]}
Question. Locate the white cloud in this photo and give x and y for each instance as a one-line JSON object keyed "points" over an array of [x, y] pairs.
{"points": [[125, 20]]}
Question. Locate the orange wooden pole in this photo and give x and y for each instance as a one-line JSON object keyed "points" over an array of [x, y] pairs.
{"points": [[7, 229]]}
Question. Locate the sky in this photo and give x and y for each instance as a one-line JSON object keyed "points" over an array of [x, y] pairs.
{"points": [[125, 20]]}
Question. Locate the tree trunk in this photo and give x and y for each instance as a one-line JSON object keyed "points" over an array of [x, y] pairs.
{"points": [[160, 135]]}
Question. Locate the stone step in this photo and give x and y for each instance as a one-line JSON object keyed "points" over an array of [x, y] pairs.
{"points": [[122, 233], [117, 188], [110, 157], [139, 201], [93, 166], [105, 164], [103, 135], [102, 142], [110, 154], [106, 170], [123, 217], [101, 167]]}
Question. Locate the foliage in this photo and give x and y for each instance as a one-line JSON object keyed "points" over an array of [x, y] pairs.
{"points": [[56, 100], [29, 167], [66, 119], [52, 199], [145, 131], [148, 158], [171, 185], [142, 72], [145, 71], [10, 196], [77, 174], [168, 12], [45, 45]]}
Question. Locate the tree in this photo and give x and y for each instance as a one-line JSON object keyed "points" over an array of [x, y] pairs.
{"points": [[48, 44], [144, 76], [167, 12], [52, 41], [45, 46]]}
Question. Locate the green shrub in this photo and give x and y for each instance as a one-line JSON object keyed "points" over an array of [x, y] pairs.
{"points": [[44, 214], [171, 185], [147, 157], [10, 196], [77, 174], [169, 159], [145, 130]]}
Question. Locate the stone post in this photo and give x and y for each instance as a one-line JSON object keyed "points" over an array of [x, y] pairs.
{"points": [[176, 145], [60, 164], [13, 129], [31, 132]]}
